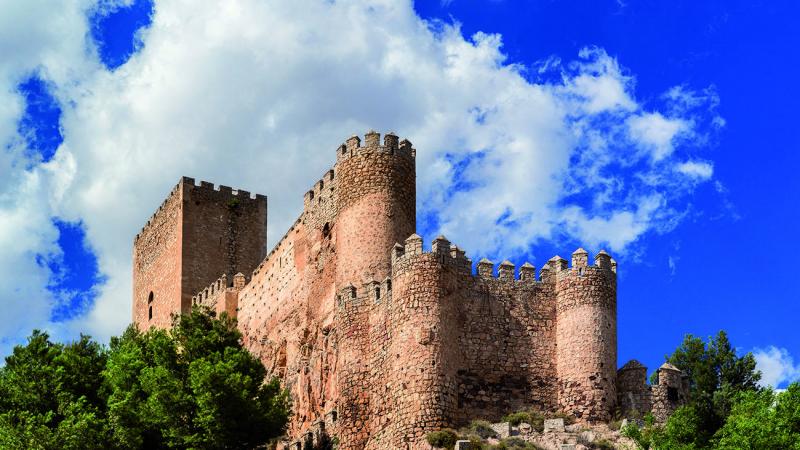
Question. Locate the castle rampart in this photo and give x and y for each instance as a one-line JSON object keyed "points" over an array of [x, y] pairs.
{"points": [[378, 340]]}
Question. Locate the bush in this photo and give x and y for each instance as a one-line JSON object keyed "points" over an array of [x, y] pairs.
{"points": [[442, 439], [483, 429], [516, 418]]}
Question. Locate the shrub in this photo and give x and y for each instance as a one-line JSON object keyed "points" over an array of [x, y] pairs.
{"points": [[483, 429], [518, 417], [443, 438]]}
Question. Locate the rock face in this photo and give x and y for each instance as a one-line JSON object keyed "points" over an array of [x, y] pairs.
{"points": [[378, 339]]}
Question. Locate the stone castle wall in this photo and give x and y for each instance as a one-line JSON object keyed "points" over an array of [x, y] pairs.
{"points": [[636, 397], [379, 342]]}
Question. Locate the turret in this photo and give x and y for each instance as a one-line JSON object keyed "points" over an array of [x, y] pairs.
{"points": [[377, 204], [586, 335]]}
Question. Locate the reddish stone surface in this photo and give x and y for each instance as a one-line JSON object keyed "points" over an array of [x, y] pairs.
{"points": [[197, 234], [378, 340]]}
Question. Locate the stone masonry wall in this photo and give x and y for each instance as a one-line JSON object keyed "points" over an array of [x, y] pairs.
{"points": [[586, 336], [157, 265], [198, 234], [228, 232], [636, 397]]}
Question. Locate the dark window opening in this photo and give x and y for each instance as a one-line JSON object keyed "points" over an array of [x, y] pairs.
{"points": [[377, 293], [311, 195], [321, 184], [150, 312], [672, 394], [326, 230], [331, 174], [150, 298], [388, 285]]}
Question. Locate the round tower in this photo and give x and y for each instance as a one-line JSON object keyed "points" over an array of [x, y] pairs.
{"points": [[586, 335], [376, 202]]}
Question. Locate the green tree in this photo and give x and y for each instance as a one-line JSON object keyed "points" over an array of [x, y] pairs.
{"points": [[193, 386], [716, 376], [763, 419], [52, 396]]}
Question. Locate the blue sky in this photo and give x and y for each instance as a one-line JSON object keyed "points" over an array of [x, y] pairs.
{"points": [[663, 132]]}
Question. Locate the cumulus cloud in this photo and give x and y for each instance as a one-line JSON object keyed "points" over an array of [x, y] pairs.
{"points": [[244, 93], [777, 366]]}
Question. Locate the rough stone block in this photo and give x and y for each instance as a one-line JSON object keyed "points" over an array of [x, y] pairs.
{"points": [[554, 425], [463, 445], [503, 429], [567, 446]]}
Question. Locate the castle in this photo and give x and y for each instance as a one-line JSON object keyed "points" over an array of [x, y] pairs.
{"points": [[378, 338]]}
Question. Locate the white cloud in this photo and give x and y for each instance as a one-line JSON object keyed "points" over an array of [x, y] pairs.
{"points": [[700, 170], [776, 365], [656, 133], [258, 96]]}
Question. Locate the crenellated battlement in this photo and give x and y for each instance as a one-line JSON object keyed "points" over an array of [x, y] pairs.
{"points": [[354, 146], [226, 192], [202, 297], [171, 197], [506, 270], [560, 267], [446, 253]]}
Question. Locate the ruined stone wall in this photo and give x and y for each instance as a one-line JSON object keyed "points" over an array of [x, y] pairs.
{"points": [[637, 397], [634, 396], [586, 336], [157, 265]]}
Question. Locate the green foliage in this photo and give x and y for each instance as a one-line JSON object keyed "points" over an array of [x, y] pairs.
{"points": [[442, 439], [51, 396], [716, 377], [517, 418], [191, 387], [194, 386], [534, 418], [482, 428], [642, 436], [763, 419]]}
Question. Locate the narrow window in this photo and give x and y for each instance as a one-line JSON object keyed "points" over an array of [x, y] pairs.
{"points": [[150, 298], [326, 230], [150, 312], [388, 285], [377, 293], [321, 184]]}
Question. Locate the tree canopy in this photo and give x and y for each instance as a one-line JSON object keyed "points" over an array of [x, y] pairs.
{"points": [[193, 386], [727, 409]]}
